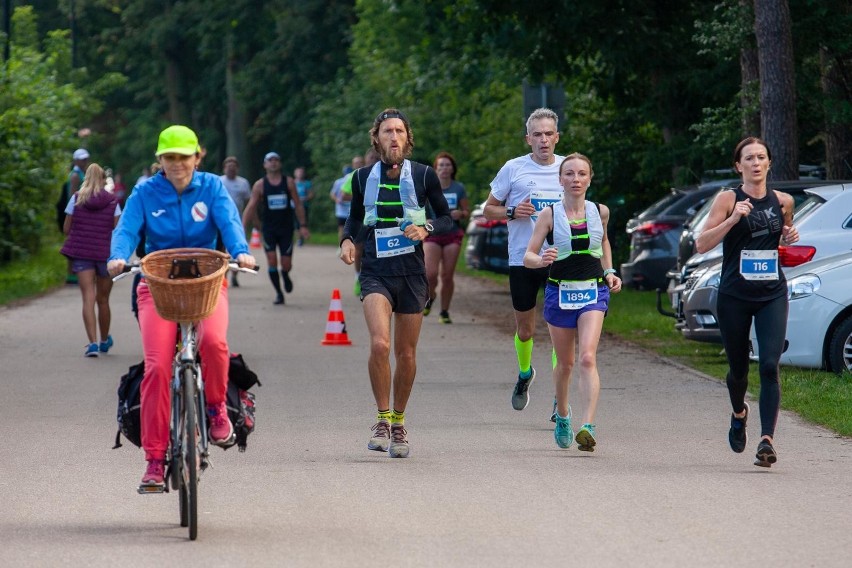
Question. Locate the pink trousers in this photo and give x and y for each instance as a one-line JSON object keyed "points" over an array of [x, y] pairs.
{"points": [[158, 345]]}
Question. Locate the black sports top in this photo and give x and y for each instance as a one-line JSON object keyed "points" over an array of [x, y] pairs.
{"points": [[759, 231]]}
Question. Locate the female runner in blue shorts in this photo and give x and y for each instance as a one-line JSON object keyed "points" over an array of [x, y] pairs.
{"points": [[577, 293]]}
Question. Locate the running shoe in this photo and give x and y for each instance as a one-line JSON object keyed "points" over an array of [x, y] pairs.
{"points": [[288, 284], [154, 473], [91, 350], [553, 414], [563, 434], [221, 429], [586, 438], [399, 441], [105, 346], [445, 317], [279, 299], [428, 309], [766, 455], [737, 436], [381, 436], [521, 396]]}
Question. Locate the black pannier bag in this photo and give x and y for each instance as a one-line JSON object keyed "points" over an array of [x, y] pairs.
{"points": [[240, 402]]}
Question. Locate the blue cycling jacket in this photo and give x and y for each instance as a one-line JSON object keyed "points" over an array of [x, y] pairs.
{"points": [[169, 220]]}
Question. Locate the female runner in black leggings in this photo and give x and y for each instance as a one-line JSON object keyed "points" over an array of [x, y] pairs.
{"points": [[750, 221]]}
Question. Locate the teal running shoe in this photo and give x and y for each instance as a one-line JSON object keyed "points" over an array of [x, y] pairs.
{"points": [[563, 434], [586, 438], [105, 346]]}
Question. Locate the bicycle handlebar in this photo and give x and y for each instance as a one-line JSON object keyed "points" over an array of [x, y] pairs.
{"points": [[133, 268]]}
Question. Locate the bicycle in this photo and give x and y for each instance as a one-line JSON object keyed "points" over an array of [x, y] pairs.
{"points": [[188, 453]]}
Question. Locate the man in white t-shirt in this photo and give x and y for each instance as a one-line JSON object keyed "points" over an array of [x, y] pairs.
{"points": [[524, 186], [238, 188]]}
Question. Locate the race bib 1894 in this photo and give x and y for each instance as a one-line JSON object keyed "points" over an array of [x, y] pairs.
{"points": [[575, 294]]}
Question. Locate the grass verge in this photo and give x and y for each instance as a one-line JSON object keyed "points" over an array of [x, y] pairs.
{"points": [[23, 279]]}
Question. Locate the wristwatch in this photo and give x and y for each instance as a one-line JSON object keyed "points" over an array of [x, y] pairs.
{"points": [[510, 212], [429, 228]]}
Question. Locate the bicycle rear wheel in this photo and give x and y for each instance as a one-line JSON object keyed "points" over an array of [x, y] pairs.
{"points": [[190, 453]]}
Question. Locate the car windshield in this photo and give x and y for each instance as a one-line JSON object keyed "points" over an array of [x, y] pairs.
{"points": [[807, 207], [659, 206], [697, 222]]}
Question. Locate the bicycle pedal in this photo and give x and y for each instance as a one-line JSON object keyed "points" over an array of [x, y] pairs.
{"points": [[151, 489]]}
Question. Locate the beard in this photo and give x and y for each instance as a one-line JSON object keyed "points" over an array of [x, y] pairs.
{"points": [[395, 155]]}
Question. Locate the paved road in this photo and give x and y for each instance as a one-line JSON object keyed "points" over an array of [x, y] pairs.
{"points": [[485, 485]]}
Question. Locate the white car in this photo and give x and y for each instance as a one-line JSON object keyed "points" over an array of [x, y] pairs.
{"points": [[819, 323], [824, 221]]}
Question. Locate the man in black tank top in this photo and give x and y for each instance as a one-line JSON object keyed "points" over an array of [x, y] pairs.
{"points": [[274, 202], [750, 221]]}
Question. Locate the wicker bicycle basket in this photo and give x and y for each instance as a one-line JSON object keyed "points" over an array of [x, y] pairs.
{"points": [[185, 282]]}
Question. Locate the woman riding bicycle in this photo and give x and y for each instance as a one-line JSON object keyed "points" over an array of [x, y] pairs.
{"points": [[179, 207]]}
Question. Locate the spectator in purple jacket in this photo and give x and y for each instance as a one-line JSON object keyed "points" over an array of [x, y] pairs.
{"points": [[92, 213]]}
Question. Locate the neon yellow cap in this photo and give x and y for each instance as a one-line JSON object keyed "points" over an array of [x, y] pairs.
{"points": [[177, 139]]}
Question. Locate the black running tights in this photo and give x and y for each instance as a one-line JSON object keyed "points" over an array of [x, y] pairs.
{"points": [[770, 324]]}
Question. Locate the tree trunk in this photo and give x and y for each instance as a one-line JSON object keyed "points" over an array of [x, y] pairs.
{"points": [[749, 81], [235, 125], [777, 86]]}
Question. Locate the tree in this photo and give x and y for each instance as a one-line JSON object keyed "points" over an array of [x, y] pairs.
{"points": [[38, 118], [777, 86]]}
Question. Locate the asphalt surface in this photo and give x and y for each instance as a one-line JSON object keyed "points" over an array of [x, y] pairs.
{"points": [[485, 485]]}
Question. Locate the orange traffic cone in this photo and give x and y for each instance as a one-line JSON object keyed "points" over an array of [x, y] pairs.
{"points": [[335, 329], [255, 239]]}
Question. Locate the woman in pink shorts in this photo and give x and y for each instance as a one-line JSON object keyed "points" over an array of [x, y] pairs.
{"points": [[441, 250]]}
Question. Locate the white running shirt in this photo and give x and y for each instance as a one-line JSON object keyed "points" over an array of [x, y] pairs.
{"points": [[519, 179]]}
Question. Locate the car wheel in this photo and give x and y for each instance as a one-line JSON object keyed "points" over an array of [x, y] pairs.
{"points": [[840, 348]]}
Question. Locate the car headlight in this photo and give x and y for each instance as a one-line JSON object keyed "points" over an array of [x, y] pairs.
{"points": [[802, 286], [710, 279]]}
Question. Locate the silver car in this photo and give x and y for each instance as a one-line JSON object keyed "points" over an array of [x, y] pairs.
{"points": [[819, 323], [824, 221]]}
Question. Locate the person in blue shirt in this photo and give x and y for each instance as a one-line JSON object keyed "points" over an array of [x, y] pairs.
{"points": [[179, 207]]}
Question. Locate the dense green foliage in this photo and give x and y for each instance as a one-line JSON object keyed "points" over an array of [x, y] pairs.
{"points": [[653, 91]]}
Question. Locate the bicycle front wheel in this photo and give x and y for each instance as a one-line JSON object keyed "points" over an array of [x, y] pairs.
{"points": [[190, 450]]}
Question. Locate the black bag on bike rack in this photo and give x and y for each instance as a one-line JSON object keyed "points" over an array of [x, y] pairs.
{"points": [[241, 402], [129, 422]]}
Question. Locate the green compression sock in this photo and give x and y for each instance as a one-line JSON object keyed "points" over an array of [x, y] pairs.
{"points": [[384, 415], [397, 417], [524, 351]]}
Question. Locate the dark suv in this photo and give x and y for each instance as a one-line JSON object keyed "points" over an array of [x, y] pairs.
{"points": [[487, 242], [654, 234]]}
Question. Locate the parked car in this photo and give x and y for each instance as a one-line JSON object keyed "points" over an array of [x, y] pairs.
{"points": [[819, 322], [487, 242], [688, 260], [654, 234], [824, 221]]}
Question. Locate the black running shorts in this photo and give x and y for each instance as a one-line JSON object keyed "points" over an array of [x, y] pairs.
{"points": [[524, 284], [406, 294]]}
